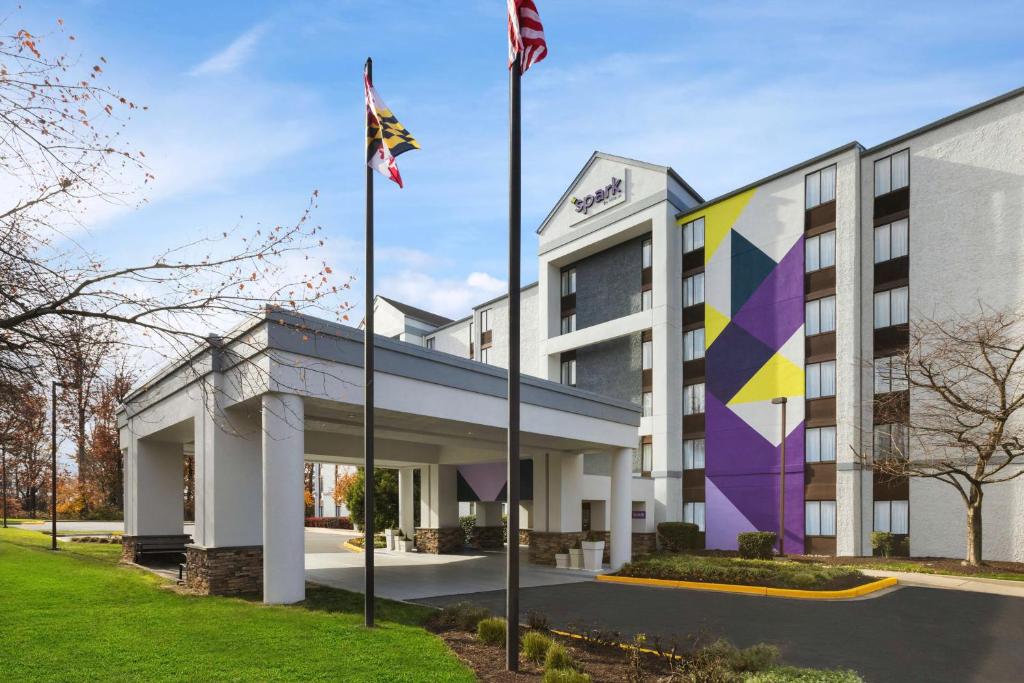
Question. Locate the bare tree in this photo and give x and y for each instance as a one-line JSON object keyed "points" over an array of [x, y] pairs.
{"points": [[966, 387], [62, 153]]}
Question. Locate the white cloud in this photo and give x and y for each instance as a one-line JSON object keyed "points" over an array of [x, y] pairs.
{"points": [[452, 297], [234, 55]]}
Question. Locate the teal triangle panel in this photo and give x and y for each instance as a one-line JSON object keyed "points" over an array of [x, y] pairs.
{"points": [[750, 266]]}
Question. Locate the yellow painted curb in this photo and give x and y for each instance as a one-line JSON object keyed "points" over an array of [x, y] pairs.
{"points": [[352, 546], [623, 646], [845, 594]]}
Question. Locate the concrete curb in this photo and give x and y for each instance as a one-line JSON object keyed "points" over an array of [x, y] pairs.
{"points": [[761, 591], [352, 546]]}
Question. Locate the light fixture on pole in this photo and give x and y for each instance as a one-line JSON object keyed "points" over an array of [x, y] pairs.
{"points": [[781, 401], [53, 462]]}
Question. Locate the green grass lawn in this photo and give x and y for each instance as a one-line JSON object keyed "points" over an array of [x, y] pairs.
{"points": [[771, 573], [76, 615], [893, 565]]}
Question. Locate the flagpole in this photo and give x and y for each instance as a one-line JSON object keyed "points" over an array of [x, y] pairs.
{"points": [[368, 343], [514, 246]]}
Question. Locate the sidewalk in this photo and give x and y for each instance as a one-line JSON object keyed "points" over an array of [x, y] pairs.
{"points": [[957, 583]]}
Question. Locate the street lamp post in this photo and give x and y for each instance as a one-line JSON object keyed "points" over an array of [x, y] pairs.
{"points": [[53, 461], [781, 401], [3, 477]]}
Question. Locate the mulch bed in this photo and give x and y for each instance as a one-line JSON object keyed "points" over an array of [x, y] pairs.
{"points": [[604, 663], [939, 565]]}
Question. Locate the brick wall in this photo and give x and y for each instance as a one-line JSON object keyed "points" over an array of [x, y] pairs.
{"points": [[487, 537], [225, 571], [130, 543], [440, 541]]}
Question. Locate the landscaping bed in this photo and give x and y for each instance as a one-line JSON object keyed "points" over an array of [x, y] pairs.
{"points": [[600, 656], [1013, 571], [736, 571], [360, 542]]}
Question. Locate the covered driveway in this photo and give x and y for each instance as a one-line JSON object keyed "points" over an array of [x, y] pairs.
{"points": [[287, 389]]}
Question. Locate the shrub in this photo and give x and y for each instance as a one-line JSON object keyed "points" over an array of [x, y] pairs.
{"points": [[756, 545], [772, 573], [464, 616], [883, 542], [565, 676], [535, 646], [791, 674], [467, 522], [329, 522], [491, 631], [679, 536], [558, 658], [537, 620]]}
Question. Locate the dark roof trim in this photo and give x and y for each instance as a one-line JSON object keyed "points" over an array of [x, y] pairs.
{"points": [[504, 296], [418, 313], [451, 324], [964, 113], [792, 169]]}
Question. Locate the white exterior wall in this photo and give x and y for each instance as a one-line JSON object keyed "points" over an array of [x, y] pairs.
{"points": [[453, 339], [966, 247], [529, 359]]}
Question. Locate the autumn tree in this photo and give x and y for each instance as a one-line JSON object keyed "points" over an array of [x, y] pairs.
{"points": [[104, 452], [27, 446], [965, 422], [63, 152]]}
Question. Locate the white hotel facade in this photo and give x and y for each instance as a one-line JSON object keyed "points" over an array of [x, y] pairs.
{"points": [[925, 225]]}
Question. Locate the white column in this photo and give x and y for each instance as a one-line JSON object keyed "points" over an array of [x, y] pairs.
{"points": [[439, 505], [284, 579], [154, 489], [621, 508], [229, 509], [488, 514], [667, 329], [406, 517], [565, 492]]}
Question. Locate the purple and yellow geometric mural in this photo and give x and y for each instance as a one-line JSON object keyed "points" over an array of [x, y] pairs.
{"points": [[754, 336]]}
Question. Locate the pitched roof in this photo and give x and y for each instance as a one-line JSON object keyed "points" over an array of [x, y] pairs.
{"points": [[418, 313]]}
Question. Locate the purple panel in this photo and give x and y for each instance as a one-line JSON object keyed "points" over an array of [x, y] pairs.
{"points": [[776, 310], [743, 468], [486, 479]]}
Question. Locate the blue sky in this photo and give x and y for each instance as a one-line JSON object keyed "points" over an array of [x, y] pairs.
{"points": [[253, 105]]}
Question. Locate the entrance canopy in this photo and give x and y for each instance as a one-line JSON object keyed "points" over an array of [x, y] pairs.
{"points": [[285, 388]]}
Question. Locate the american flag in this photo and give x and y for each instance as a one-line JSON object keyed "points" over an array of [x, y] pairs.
{"points": [[525, 34]]}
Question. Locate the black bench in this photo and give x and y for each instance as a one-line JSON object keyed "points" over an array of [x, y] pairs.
{"points": [[158, 547]]}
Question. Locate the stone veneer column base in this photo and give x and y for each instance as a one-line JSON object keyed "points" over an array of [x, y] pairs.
{"points": [[524, 537], [225, 571], [544, 544], [487, 537], [440, 541], [129, 543]]}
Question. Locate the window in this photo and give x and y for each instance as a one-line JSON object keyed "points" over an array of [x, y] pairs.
{"points": [[891, 441], [430, 342], [891, 307], [820, 444], [821, 379], [892, 173], [693, 454], [647, 354], [647, 403], [820, 251], [820, 315], [568, 281], [693, 513], [820, 518], [569, 372], [693, 235], [568, 323], [890, 374], [643, 460], [485, 320], [693, 290], [647, 300], [892, 516], [892, 240], [693, 399], [647, 254], [485, 355], [693, 344], [820, 187]]}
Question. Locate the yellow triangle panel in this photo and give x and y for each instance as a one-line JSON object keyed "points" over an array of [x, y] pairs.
{"points": [[719, 219], [714, 323], [778, 377]]}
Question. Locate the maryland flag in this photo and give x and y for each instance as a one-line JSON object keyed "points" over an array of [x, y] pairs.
{"points": [[386, 138]]}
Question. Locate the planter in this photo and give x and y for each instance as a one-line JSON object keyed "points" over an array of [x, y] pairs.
{"points": [[593, 554], [403, 545], [576, 558], [389, 538], [561, 560]]}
